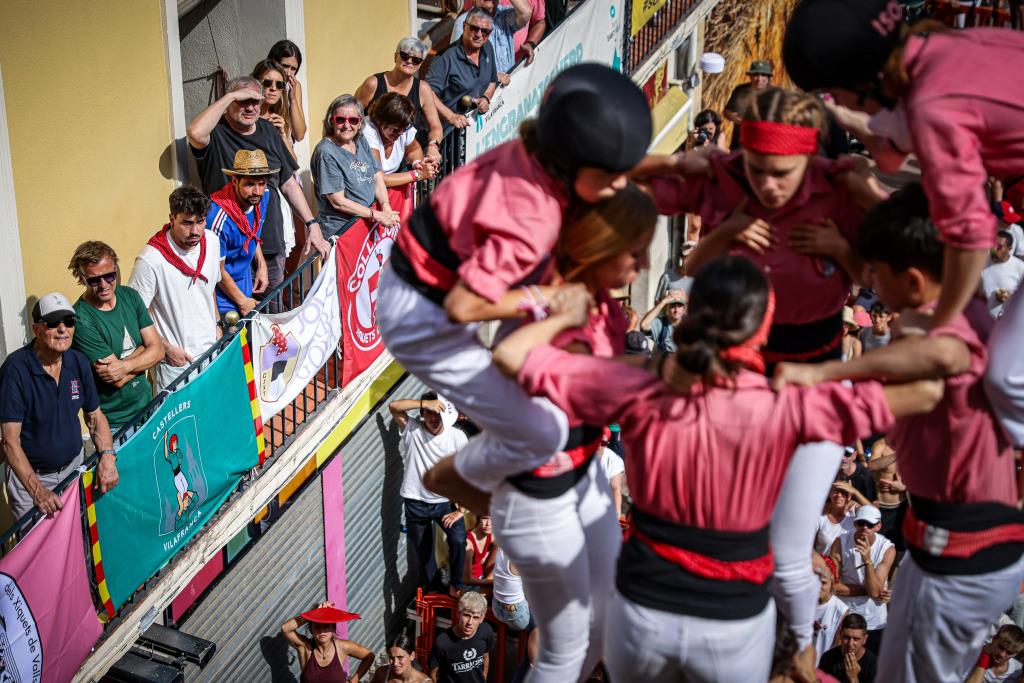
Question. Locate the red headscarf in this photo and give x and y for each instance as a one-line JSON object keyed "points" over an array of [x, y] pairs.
{"points": [[769, 137], [749, 352]]}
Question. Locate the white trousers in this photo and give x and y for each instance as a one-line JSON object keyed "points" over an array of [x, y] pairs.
{"points": [[1004, 378], [565, 549], [804, 490], [519, 432], [938, 624], [644, 644]]}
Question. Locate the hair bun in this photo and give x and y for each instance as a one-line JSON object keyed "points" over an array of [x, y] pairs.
{"points": [[696, 357]]}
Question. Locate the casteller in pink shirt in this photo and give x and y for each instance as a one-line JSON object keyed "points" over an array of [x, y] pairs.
{"points": [[808, 288], [501, 214], [714, 458], [958, 453], [964, 107]]}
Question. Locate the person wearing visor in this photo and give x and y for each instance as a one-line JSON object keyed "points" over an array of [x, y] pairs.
{"points": [[43, 386], [870, 60], [480, 250], [322, 653]]}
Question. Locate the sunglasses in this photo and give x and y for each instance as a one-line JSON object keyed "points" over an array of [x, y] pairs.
{"points": [[96, 279], [248, 104], [479, 29], [351, 120], [406, 57], [66, 321], [268, 82], [861, 524]]}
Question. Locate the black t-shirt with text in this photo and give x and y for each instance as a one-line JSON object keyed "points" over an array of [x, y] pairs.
{"points": [[832, 662], [461, 660], [220, 153]]}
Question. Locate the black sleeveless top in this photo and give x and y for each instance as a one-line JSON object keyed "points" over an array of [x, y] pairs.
{"points": [[420, 122]]}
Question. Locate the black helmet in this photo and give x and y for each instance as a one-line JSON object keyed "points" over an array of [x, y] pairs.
{"points": [[840, 43], [592, 115]]}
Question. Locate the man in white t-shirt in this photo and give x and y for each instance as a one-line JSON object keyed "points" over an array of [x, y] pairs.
{"points": [[427, 440], [997, 661], [614, 469], [176, 274], [1002, 276]]}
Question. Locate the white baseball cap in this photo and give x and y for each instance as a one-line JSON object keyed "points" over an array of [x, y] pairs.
{"points": [[712, 63], [869, 514], [51, 308]]}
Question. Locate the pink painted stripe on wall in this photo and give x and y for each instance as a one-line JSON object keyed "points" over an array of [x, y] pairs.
{"points": [[334, 538]]}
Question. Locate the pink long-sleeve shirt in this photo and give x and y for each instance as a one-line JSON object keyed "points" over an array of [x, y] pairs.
{"points": [[964, 109], [714, 458], [808, 288], [501, 214], [957, 453]]}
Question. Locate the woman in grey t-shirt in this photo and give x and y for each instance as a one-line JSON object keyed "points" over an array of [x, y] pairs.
{"points": [[347, 177]]}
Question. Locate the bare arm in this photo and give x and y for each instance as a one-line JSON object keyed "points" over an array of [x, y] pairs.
{"points": [[616, 484], [292, 192], [571, 310], [356, 651], [401, 407], [842, 589], [47, 501], [295, 113], [874, 577], [903, 360], [649, 316], [430, 113], [524, 11], [487, 663], [448, 115], [231, 290], [463, 305], [202, 125], [290, 631], [364, 93], [119, 371], [106, 466]]}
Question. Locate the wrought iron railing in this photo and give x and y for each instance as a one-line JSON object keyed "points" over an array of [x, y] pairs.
{"points": [[636, 49]]}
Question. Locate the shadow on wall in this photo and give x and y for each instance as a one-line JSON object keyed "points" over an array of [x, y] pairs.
{"points": [[279, 657], [396, 590]]}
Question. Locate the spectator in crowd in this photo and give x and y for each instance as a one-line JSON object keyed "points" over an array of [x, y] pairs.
{"points": [[505, 22], [660, 322], [237, 216], [675, 278], [614, 469], [526, 38], [998, 661], [892, 494], [464, 76], [392, 140], [347, 178], [1003, 275], [322, 654], [427, 439], [287, 54], [176, 275], [232, 123], [851, 346], [837, 518], [851, 661], [859, 476], [462, 652], [115, 332], [864, 558], [478, 567], [403, 79], [707, 130], [828, 615], [760, 74], [401, 659], [43, 386], [509, 601], [877, 334], [1009, 220], [274, 107]]}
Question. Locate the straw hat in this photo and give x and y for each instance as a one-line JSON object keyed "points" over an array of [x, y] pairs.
{"points": [[250, 162]]}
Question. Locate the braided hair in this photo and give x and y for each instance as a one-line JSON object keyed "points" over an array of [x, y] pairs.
{"points": [[726, 306], [788, 106]]}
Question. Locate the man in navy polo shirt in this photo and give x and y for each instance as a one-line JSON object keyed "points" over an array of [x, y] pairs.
{"points": [[466, 69], [42, 387]]}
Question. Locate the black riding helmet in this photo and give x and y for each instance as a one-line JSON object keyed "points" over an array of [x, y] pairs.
{"points": [[592, 115], [841, 43]]}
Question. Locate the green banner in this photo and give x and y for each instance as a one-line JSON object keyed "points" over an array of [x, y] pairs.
{"points": [[175, 472]]}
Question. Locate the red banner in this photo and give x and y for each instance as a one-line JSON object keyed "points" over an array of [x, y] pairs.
{"points": [[362, 252]]}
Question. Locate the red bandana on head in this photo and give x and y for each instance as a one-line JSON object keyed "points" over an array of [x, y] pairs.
{"points": [[768, 137], [748, 353], [225, 199]]}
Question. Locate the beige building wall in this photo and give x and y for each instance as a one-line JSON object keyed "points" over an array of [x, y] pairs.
{"points": [[88, 110], [346, 41]]}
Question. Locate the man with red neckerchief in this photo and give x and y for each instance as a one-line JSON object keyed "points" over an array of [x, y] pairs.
{"points": [[236, 216], [176, 274]]}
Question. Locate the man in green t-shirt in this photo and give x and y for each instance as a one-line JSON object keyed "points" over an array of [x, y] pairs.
{"points": [[115, 333]]}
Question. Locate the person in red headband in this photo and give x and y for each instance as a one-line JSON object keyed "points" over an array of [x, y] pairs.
{"points": [[708, 451], [795, 214]]}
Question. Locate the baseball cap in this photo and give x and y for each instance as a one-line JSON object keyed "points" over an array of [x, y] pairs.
{"points": [[52, 307], [1004, 210], [761, 66], [840, 43], [862, 319], [869, 514]]}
